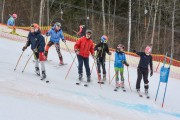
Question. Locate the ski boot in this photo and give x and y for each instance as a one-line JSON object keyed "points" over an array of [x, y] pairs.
{"points": [[37, 71], [61, 61], [80, 77], [146, 91], [104, 77], [43, 75], [122, 84], [88, 79]]}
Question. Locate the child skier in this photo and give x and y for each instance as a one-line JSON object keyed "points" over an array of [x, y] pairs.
{"points": [[142, 70], [82, 30], [37, 42], [83, 47], [56, 34], [102, 48], [120, 60], [11, 23]]}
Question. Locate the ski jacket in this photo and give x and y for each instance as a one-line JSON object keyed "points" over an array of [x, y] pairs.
{"points": [[36, 40], [11, 21], [120, 59], [55, 35], [104, 49], [145, 60], [84, 46]]}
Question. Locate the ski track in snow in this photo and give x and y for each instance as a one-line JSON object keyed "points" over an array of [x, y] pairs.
{"points": [[102, 103]]}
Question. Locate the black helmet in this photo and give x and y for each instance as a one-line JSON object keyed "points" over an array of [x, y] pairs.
{"points": [[89, 31]]}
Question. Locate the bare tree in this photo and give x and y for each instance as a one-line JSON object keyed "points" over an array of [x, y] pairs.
{"points": [[114, 20], [154, 22], [47, 12], [41, 12], [104, 19], [2, 14], [129, 33], [172, 42]]}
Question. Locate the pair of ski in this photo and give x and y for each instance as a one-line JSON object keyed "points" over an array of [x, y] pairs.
{"points": [[117, 88], [146, 94], [85, 85]]}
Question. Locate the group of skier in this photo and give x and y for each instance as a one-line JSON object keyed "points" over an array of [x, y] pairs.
{"points": [[83, 48]]}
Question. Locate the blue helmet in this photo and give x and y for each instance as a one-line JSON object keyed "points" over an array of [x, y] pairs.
{"points": [[104, 39]]}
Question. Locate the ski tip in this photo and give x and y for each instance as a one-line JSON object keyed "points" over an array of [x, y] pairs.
{"points": [[47, 81], [77, 83]]}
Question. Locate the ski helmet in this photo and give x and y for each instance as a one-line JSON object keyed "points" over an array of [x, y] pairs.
{"points": [[148, 50], [58, 24], [104, 39], [35, 25], [14, 15], [89, 31]]}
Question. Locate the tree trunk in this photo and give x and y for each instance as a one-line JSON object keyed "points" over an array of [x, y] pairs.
{"points": [[104, 20], [159, 30], [172, 42], [109, 18], [114, 21], [40, 12], [47, 12], [154, 22], [129, 33], [2, 14]]}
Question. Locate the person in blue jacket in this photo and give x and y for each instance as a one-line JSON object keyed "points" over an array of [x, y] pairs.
{"points": [[56, 34], [120, 60], [37, 42], [11, 22]]}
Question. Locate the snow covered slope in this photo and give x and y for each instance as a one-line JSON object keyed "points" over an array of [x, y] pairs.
{"points": [[25, 97]]}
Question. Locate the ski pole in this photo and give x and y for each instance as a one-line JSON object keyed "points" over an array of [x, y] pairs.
{"points": [[97, 72], [128, 79], [70, 54], [94, 62], [109, 68], [46, 40], [113, 77], [27, 63], [18, 60], [70, 67]]}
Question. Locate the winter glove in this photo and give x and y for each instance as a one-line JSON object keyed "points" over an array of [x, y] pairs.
{"points": [[77, 52], [24, 48], [99, 48], [47, 34], [94, 57], [64, 40], [109, 53], [151, 73], [134, 51], [35, 50]]}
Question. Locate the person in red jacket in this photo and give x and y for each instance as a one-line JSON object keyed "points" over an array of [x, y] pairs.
{"points": [[83, 47]]}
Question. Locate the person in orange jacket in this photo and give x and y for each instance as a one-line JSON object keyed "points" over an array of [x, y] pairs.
{"points": [[83, 47]]}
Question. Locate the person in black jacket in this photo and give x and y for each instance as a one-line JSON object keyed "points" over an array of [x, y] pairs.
{"points": [[142, 70], [102, 48], [37, 42]]}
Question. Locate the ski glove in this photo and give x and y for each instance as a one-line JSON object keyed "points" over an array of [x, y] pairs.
{"points": [[35, 50], [77, 52], [151, 73], [99, 48], [64, 40], [47, 34], [109, 53], [24, 48]]}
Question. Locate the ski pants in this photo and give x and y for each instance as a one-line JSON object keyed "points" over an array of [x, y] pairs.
{"points": [[57, 46], [121, 70], [84, 60], [142, 72], [101, 63], [39, 57]]}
